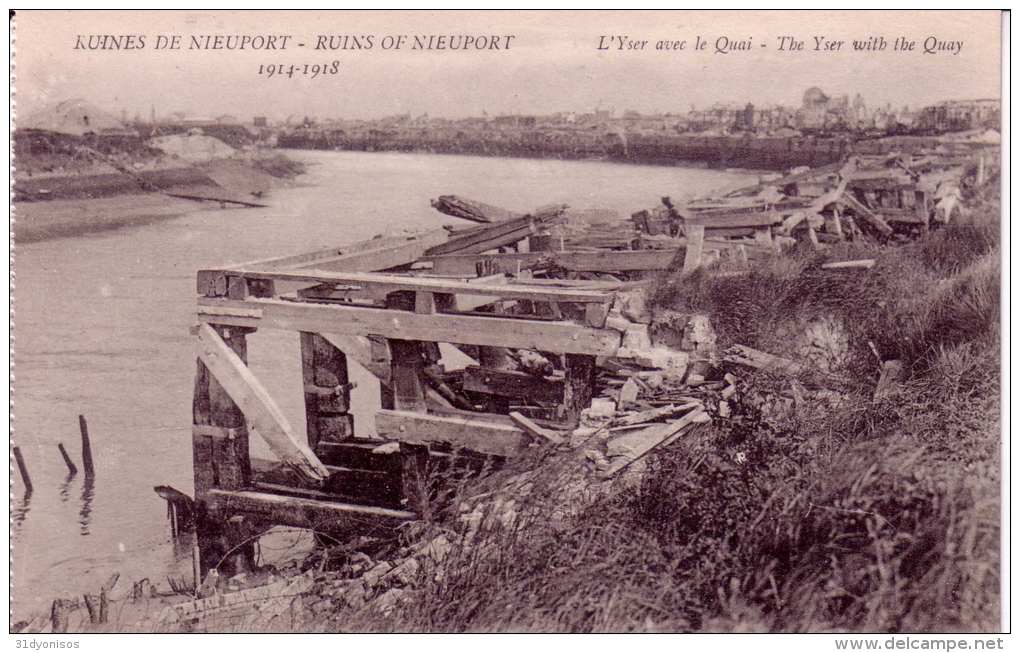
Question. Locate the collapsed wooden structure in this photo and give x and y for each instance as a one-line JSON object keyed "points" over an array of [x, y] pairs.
{"points": [[365, 303], [533, 300]]}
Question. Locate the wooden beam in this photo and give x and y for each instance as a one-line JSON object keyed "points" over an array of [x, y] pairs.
{"points": [[329, 516], [556, 336], [516, 385], [866, 214], [859, 264], [579, 384], [364, 486], [467, 432], [604, 261], [492, 236], [359, 349], [695, 244], [642, 442], [388, 283], [327, 391], [364, 256], [406, 372], [535, 430], [734, 220], [256, 404]]}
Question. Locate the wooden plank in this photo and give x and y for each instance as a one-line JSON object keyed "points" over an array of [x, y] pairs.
{"points": [[359, 454], [735, 220], [643, 442], [860, 264], [327, 390], [256, 404], [202, 444], [364, 256], [578, 384], [734, 232], [359, 349], [604, 261], [468, 209], [513, 384], [535, 430], [750, 357], [406, 372], [491, 237], [866, 214], [477, 434], [695, 244], [371, 487], [392, 283], [330, 516], [414, 479], [496, 331], [230, 456]]}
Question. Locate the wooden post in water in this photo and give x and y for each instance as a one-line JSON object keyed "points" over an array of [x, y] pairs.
{"points": [[60, 613], [71, 469], [23, 469], [327, 391], [221, 459], [86, 448]]}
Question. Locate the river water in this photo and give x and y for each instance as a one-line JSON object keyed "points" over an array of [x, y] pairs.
{"points": [[102, 330]]}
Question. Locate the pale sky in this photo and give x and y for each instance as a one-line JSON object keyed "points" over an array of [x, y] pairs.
{"points": [[553, 63]]}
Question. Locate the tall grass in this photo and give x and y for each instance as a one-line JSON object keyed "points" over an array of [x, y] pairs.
{"points": [[848, 513]]}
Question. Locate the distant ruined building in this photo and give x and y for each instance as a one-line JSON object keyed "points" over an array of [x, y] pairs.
{"points": [[960, 115]]}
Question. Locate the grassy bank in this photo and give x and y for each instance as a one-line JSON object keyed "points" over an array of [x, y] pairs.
{"points": [[836, 511]]}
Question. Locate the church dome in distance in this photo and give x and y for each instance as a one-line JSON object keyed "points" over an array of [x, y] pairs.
{"points": [[814, 96]]}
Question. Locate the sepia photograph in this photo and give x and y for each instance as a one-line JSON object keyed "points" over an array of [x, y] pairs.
{"points": [[519, 321]]}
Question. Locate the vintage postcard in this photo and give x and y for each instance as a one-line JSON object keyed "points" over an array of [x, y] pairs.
{"points": [[516, 321]]}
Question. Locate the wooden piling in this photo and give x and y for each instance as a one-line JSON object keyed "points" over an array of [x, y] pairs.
{"points": [[327, 391], [23, 469], [86, 448], [97, 607], [196, 566], [60, 614], [408, 383], [221, 456], [71, 469], [578, 386]]}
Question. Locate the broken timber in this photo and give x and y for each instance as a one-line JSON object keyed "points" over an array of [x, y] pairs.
{"points": [[373, 304]]}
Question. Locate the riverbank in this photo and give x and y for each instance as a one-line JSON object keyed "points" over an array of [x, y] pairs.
{"points": [[70, 205], [747, 522]]}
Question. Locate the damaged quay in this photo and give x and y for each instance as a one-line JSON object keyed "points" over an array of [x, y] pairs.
{"points": [[512, 378]]}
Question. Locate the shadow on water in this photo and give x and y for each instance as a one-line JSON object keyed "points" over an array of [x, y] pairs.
{"points": [[87, 494], [20, 511]]}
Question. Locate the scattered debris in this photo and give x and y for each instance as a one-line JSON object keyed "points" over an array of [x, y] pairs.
{"points": [[862, 264]]}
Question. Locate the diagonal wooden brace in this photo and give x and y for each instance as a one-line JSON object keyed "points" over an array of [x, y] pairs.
{"points": [[257, 405]]}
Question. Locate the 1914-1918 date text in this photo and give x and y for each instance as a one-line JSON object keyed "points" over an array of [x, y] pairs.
{"points": [[310, 70]]}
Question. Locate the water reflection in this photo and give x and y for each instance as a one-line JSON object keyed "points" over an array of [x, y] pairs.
{"points": [[87, 494], [20, 511], [65, 488]]}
